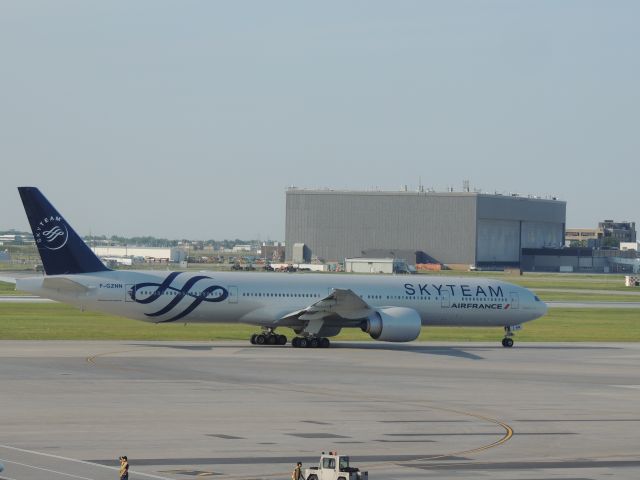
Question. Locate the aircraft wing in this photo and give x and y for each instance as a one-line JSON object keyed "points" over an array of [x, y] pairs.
{"points": [[340, 307]]}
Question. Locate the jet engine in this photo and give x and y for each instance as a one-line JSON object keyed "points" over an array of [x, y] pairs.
{"points": [[393, 324]]}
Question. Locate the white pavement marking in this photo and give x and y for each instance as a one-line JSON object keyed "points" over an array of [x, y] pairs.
{"points": [[50, 455], [25, 299], [46, 469]]}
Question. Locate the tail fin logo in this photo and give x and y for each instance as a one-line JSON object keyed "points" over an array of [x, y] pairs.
{"points": [[51, 233]]}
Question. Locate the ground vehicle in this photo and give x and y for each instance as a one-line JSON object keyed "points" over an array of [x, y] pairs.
{"points": [[334, 467]]}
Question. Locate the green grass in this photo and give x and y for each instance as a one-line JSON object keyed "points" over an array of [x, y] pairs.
{"points": [[7, 288], [35, 321], [568, 284], [14, 267], [585, 297], [559, 325], [20, 321]]}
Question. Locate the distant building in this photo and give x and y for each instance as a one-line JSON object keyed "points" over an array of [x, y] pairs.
{"points": [[242, 248], [272, 252], [619, 232], [589, 237], [411, 257], [584, 260], [300, 253], [159, 254], [17, 238], [375, 265], [625, 246], [452, 228]]}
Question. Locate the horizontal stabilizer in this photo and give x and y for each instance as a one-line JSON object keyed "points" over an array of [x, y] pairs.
{"points": [[64, 285]]}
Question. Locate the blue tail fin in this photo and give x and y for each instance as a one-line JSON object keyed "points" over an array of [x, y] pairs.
{"points": [[61, 249]]}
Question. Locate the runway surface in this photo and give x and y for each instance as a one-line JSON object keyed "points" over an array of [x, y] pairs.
{"points": [[229, 410]]}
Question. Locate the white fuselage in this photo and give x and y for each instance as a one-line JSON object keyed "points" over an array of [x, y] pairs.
{"points": [[265, 298]]}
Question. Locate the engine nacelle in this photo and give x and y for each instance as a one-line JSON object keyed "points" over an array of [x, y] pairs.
{"points": [[393, 324]]}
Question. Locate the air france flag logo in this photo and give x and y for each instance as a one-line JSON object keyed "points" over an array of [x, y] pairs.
{"points": [[51, 233]]}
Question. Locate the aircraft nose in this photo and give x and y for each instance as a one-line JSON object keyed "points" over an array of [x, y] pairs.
{"points": [[542, 308], [538, 306]]}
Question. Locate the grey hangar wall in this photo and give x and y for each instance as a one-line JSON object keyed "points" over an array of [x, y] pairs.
{"points": [[451, 227]]}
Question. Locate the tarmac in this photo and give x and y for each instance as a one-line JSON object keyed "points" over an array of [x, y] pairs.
{"points": [[229, 410]]}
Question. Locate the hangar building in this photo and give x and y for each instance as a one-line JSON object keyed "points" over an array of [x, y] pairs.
{"points": [[460, 228]]}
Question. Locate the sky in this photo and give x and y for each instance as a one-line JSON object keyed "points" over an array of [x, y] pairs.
{"points": [[190, 119]]}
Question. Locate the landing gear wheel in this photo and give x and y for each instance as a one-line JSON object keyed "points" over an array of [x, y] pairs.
{"points": [[260, 339], [272, 340], [325, 343], [303, 342], [295, 343], [314, 343], [282, 340], [507, 342], [253, 338]]}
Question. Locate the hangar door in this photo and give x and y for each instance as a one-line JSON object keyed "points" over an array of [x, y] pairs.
{"points": [[542, 234], [498, 241]]}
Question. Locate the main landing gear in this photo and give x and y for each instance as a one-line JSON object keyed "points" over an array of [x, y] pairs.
{"points": [[507, 341], [268, 337], [310, 342]]}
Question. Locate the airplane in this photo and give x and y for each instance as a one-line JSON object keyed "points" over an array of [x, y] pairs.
{"points": [[315, 306]]}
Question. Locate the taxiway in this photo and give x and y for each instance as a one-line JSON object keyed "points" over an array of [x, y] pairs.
{"points": [[181, 410]]}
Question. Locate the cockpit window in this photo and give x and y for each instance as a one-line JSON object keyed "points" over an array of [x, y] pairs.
{"points": [[537, 299]]}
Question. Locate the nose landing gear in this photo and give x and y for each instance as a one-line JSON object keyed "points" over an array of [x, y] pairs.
{"points": [[507, 341]]}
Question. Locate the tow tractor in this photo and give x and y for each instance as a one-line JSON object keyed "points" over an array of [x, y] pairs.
{"points": [[334, 467]]}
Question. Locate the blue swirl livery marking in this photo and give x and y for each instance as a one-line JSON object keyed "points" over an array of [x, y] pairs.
{"points": [[203, 295]]}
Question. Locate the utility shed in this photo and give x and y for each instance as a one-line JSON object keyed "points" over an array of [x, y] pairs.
{"points": [[455, 228], [374, 265]]}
